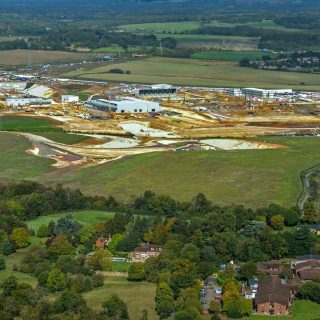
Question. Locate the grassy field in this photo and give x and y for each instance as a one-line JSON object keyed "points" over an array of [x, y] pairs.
{"points": [[14, 259], [166, 27], [44, 127], [302, 310], [199, 73], [20, 57], [15, 163], [138, 296], [84, 217], [118, 49], [227, 55], [253, 177], [28, 124], [120, 266]]}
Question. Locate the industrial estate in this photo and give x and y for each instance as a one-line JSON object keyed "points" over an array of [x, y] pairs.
{"points": [[159, 160]]}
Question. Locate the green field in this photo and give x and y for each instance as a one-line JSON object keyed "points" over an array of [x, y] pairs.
{"points": [[199, 73], [166, 27], [15, 163], [253, 177], [14, 259], [120, 266], [118, 49], [227, 55], [84, 217], [138, 296], [302, 310], [44, 127], [28, 124]]}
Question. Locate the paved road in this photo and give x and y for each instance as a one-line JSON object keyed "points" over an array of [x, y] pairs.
{"points": [[210, 294]]}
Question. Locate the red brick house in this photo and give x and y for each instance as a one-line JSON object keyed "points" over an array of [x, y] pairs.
{"points": [[103, 242], [273, 297], [141, 254]]}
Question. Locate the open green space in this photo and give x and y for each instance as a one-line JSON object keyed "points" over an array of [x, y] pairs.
{"points": [[227, 55], [254, 178], [62, 137], [12, 261], [120, 266], [44, 127], [16, 163], [165, 27], [199, 73], [28, 124], [84, 217], [137, 295], [302, 310], [118, 49]]}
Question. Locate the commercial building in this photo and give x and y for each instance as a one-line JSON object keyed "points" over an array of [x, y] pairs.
{"points": [[69, 99], [155, 90], [263, 93], [21, 102], [124, 105]]}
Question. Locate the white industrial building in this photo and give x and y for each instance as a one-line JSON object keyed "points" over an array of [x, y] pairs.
{"points": [[21, 102], [155, 90], [124, 105], [69, 99], [264, 93]]}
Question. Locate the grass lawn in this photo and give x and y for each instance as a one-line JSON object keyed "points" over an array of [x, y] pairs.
{"points": [[198, 73], [137, 295], [227, 55], [302, 310], [84, 217], [120, 266], [28, 124]]}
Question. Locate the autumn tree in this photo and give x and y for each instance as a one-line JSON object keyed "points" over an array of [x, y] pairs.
{"points": [[20, 237]]}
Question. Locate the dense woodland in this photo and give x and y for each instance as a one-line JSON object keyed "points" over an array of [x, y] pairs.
{"points": [[198, 236]]}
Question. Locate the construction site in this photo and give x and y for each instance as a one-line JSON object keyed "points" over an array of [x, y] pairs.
{"points": [[181, 119]]}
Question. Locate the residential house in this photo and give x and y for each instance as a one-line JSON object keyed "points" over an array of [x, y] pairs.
{"points": [[308, 269], [141, 254], [273, 297], [270, 268], [103, 242]]}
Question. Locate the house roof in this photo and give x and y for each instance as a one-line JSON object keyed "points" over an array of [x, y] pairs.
{"points": [[148, 248], [308, 257], [273, 290], [309, 264], [311, 274]]}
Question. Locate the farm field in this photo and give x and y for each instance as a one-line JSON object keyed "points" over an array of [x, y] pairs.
{"points": [[166, 27], [227, 55], [198, 73], [84, 217], [62, 137], [302, 310], [137, 295], [118, 49], [20, 56]]}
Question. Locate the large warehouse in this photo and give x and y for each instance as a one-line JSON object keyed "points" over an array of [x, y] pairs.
{"points": [[264, 93], [124, 105], [155, 90]]}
